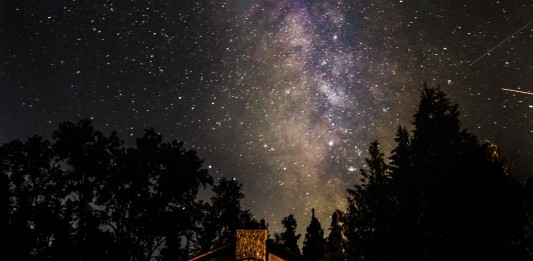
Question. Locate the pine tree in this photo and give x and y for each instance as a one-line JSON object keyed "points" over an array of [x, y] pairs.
{"points": [[335, 241], [314, 247], [400, 160], [288, 238], [370, 209], [445, 195], [224, 215], [406, 193]]}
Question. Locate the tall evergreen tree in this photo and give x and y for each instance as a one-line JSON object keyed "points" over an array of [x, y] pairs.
{"points": [[224, 215], [314, 247], [370, 209], [445, 195], [463, 188], [405, 192], [288, 238], [335, 242], [401, 160]]}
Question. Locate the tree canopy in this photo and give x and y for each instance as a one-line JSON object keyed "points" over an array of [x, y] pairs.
{"points": [[444, 195], [441, 194], [83, 195]]}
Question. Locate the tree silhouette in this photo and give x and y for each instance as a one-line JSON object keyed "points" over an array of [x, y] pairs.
{"points": [[29, 209], [527, 241], [84, 196], [86, 157], [444, 196], [465, 191], [288, 238], [405, 192], [155, 191], [335, 242], [225, 215], [370, 209], [314, 247]]}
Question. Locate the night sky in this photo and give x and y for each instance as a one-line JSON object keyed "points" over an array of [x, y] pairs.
{"points": [[283, 95]]}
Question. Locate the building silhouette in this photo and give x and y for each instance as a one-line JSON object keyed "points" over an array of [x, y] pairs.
{"points": [[249, 245]]}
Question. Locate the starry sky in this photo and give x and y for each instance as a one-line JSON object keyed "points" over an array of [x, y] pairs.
{"points": [[283, 95]]}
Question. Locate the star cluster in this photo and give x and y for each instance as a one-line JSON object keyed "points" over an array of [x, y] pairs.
{"points": [[283, 95]]}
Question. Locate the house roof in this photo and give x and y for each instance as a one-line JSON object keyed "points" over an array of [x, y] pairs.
{"points": [[227, 252], [282, 252]]}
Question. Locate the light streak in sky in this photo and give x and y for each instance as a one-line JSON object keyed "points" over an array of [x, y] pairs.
{"points": [[505, 40], [517, 91]]}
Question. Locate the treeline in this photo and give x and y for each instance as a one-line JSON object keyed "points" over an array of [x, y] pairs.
{"points": [[84, 196], [441, 195]]}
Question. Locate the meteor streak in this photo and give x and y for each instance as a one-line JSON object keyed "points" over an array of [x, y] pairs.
{"points": [[505, 40], [517, 91]]}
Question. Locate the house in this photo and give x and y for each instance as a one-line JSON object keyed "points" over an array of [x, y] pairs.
{"points": [[249, 245]]}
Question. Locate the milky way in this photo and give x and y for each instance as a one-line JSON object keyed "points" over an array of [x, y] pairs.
{"points": [[285, 96]]}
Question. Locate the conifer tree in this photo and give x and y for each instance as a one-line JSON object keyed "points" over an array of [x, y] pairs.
{"points": [[288, 238], [406, 194], [335, 241], [314, 247], [224, 215], [445, 195], [370, 209]]}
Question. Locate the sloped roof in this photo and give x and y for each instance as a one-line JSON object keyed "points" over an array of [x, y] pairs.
{"points": [[283, 252], [227, 252]]}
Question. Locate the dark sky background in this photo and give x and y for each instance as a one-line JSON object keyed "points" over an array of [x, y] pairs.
{"points": [[283, 95]]}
